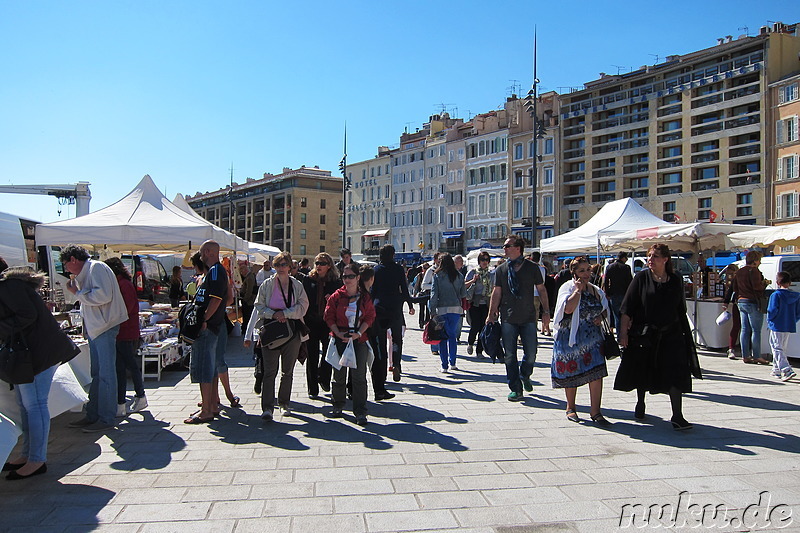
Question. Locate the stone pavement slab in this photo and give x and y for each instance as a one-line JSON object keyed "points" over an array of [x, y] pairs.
{"points": [[448, 453]]}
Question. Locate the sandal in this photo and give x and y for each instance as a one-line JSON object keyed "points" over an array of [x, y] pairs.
{"points": [[235, 402], [761, 361], [600, 420], [198, 420], [572, 416], [749, 361], [681, 424]]}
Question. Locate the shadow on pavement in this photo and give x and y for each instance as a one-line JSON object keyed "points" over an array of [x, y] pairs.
{"points": [[52, 505], [144, 443]]}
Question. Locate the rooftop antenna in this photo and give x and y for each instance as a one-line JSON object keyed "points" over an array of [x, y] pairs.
{"points": [[454, 112], [658, 58], [407, 125], [444, 108], [746, 30], [514, 88], [619, 68]]}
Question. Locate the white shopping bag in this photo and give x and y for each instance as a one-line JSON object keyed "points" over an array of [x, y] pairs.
{"points": [[348, 356], [723, 317], [332, 355]]}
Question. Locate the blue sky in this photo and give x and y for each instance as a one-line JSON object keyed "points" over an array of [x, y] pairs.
{"points": [[107, 91]]}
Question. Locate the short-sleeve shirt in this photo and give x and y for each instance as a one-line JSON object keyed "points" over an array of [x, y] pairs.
{"points": [[215, 285], [518, 310]]}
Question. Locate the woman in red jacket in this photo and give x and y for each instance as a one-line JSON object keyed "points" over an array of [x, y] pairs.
{"points": [[349, 314]]}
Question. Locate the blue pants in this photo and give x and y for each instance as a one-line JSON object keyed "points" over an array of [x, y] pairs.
{"points": [[515, 369], [35, 415], [449, 346], [615, 303], [752, 320], [102, 404]]}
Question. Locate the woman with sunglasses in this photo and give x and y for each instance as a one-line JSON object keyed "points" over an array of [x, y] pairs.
{"points": [[349, 314], [660, 355], [281, 298], [319, 284]]}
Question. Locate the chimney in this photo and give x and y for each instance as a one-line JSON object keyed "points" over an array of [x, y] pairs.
{"points": [[720, 40], [728, 38]]}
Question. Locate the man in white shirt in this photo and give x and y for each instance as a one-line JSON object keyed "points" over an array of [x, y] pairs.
{"points": [[265, 273], [102, 309]]}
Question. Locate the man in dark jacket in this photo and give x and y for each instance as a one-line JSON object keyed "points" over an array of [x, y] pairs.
{"points": [[389, 292], [615, 284]]}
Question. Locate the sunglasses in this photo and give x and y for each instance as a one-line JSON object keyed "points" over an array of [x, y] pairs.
{"points": [[349, 276], [322, 263], [281, 265], [509, 246]]}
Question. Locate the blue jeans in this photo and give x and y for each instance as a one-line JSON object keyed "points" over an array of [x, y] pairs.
{"points": [[202, 363], [449, 346], [514, 369], [752, 320], [127, 361], [615, 303], [102, 404], [35, 416]]}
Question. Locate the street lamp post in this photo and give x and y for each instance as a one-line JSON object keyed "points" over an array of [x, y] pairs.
{"points": [[345, 188], [538, 133]]}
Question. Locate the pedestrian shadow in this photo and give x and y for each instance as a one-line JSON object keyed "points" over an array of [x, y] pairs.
{"points": [[144, 443], [751, 402], [715, 375], [75, 505], [704, 437]]}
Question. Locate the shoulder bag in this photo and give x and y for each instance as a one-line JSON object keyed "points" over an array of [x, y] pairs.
{"points": [[274, 334], [610, 345], [16, 360]]}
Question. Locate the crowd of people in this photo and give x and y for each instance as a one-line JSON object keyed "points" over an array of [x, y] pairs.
{"points": [[336, 318]]}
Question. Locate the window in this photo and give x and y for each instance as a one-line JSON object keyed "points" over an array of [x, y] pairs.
{"points": [[787, 168], [531, 149], [460, 154], [322, 219], [548, 146], [322, 203], [518, 179], [704, 203], [459, 175], [787, 130], [451, 156], [321, 249], [707, 173], [302, 218], [302, 249], [517, 152], [548, 176], [503, 201], [787, 94], [472, 177], [492, 203], [517, 208], [668, 206], [547, 205], [302, 234], [322, 234], [672, 151], [482, 204], [471, 206], [787, 205], [303, 201], [574, 219]]}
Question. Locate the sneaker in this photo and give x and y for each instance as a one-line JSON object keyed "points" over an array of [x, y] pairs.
{"points": [[515, 396], [454, 367], [732, 355], [469, 350], [122, 410], [788, 375], [138, 404], [266, 416], [444, 371], [775, 374], [82, 423], [361, 420], [526, 384], [435, 352], [97, 427], [284, 409]]}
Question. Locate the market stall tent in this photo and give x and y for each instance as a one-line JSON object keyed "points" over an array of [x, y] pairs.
{"points": [[141, 222], [613, 218], [785, 235], [694, 237]]}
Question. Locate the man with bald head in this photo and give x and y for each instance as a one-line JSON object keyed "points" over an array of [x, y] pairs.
{"points": [[210, 299]]}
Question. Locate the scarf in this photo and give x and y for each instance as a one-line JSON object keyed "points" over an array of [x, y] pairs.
{"points": [[483, 277], [512, 276]]}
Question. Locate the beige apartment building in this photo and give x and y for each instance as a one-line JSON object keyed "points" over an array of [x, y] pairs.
{"points": [[785, 151], [297, 210], [368, 208], [684, 137]]}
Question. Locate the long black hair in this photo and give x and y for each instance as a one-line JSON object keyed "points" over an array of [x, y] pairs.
{"points": [[447, 265]]}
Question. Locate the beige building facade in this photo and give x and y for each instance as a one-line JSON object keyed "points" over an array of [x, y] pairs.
{"points": [[368, 206], [298, 210], [685, 137], [784, 154]]}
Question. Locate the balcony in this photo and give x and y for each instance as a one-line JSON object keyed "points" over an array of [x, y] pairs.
{"points": [[705, 185], [636, 168], [604, 173], [671, 110], [574, 200], [604, 197], [371, 251], [675, 189], [636, 193], [745, 150], [709, 100], [742, 92], [574, 176], [572, 154], [742, 121], [705, 158], [709, 128], [675, 136], [672, 163], [574, 130], [744, 179]]}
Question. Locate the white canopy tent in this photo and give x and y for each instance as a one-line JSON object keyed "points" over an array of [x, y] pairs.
{"points": [[766, 236], [694, 237], [144, 221], [613, 218]]}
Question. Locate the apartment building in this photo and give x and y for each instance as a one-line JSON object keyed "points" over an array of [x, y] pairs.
{"points": [[486, 180], [455, 203], [368, 207], [435, 183], [683, 137], [299, 210], [784, 154], [408, 176], [523, 157]]}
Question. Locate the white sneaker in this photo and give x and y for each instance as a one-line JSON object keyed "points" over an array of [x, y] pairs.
{"points": [[122, 412], [285, 410], [731, 355], [444, 371], [788, 375], [138, 404], [775, 374], [453, 367]]}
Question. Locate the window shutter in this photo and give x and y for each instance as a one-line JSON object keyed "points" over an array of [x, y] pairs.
{"points": [[793, 126], [779, 207], [782, 95], [794, 204], [795, 162], [779, 170], [779, 131]]}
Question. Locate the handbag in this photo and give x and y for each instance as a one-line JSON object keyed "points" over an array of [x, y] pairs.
{"points": [[610, 345], [189, 322], [433, 333], [16, 360], [274, 334]]}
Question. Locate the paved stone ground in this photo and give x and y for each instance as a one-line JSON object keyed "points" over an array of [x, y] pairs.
{"points": [[448, 453]]}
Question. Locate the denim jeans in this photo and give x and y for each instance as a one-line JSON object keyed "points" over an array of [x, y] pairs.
{"points": [[35, 416], [449, 346], [202, 364], [615, 303], [515, 369], [102, 404], [222, 346], [127, 361], [752, 320]]}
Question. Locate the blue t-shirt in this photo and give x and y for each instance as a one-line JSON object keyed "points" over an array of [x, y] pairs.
{"points": [[215, 285]]}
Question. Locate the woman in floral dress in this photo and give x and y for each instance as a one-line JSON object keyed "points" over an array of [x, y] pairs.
{"points": [[577, 347]]}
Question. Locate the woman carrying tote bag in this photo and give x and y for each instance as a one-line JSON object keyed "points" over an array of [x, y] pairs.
{"points": [[446, 294]]}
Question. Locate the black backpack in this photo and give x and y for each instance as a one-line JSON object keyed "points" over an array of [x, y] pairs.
{"points": [[190, 322]]}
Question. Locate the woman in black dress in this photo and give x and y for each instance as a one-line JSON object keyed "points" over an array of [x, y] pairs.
{"points": [[660, 355]]}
